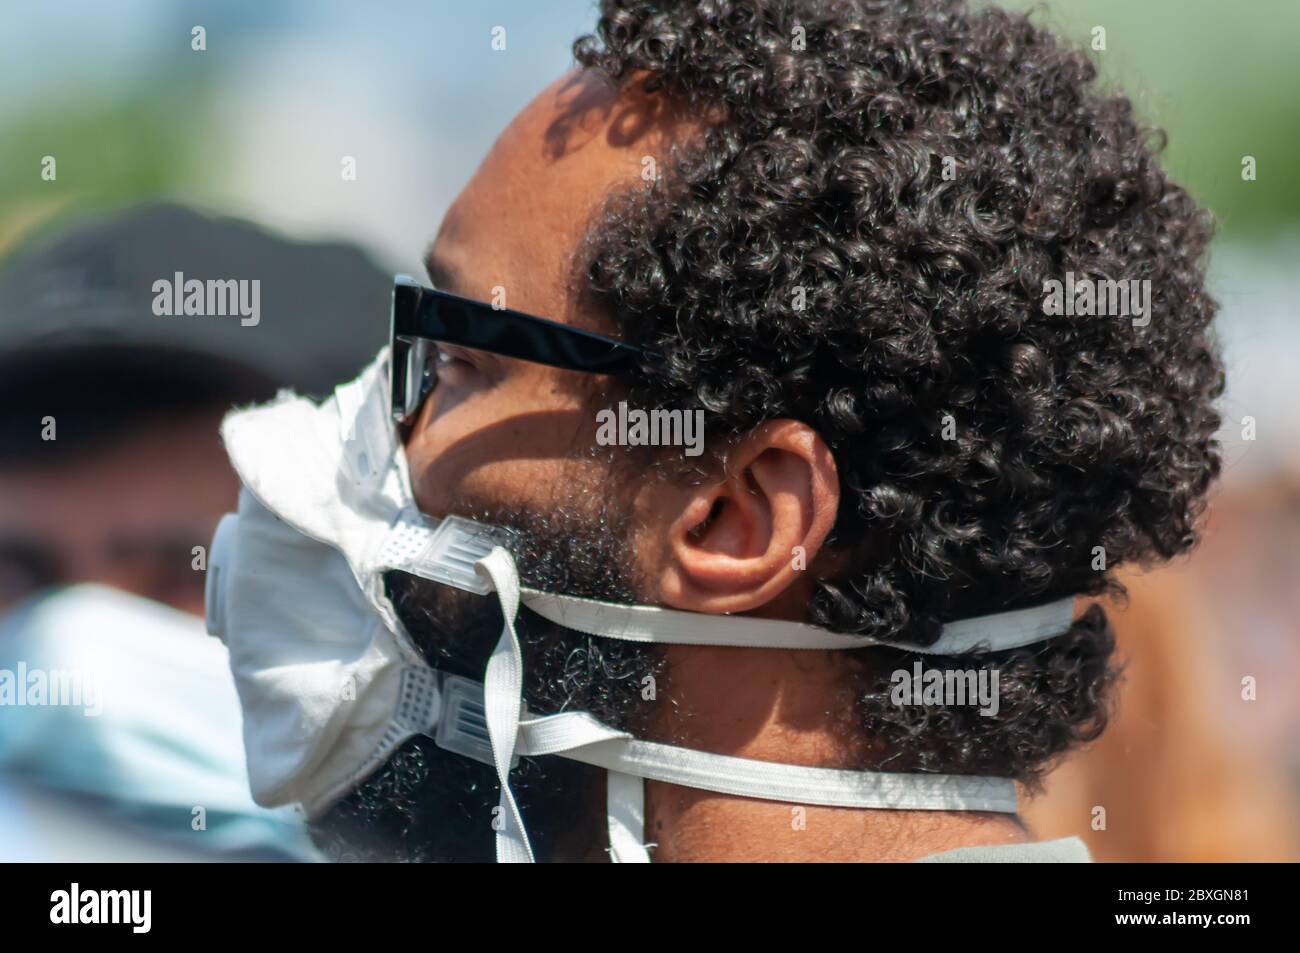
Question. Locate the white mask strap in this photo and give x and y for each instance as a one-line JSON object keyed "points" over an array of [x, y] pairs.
{"points": [[503, 688], [625, 813], [580, 737], [450, 550], [988, 633], [447, 550], [444, 708]]}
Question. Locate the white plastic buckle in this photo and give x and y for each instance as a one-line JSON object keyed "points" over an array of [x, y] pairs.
{"points": [[448, 709], [463, 725], [443, 551]]}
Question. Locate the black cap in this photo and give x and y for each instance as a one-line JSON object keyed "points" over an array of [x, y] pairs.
{"points": [[91, 288]]}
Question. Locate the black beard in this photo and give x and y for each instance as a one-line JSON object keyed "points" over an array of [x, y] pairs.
{"points": [[425, 804]]}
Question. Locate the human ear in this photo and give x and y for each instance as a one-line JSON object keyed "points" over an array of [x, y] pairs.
{"points": [[741, 542]]}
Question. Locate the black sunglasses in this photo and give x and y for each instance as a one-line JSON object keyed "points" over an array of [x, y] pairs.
{"points": [[422, 315]]}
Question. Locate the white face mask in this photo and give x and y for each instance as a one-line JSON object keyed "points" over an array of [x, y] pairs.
{"points": [[331, 684]]}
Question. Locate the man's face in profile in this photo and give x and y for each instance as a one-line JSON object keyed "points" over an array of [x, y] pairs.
{"points": [[498, 431], [513, 442]]}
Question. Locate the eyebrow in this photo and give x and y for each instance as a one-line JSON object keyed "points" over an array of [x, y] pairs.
{"points": [[443, 275]]}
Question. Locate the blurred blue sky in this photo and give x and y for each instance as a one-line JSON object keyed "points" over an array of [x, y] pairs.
{"points": [[411, 88]]}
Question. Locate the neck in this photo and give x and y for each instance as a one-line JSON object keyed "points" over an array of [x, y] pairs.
{"points": [[775, 705]]}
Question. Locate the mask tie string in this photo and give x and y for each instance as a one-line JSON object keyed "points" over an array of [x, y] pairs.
{"points": [[504, 709], [625, 818], [503, 686]]}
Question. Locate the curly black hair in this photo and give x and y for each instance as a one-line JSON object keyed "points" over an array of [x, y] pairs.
{"points": [[860, 239]]}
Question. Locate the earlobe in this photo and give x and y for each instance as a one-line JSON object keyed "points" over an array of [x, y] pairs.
{"points": [[740, 543]]}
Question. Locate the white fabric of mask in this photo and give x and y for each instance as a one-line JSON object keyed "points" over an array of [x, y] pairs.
{"points": [[331, 685]]}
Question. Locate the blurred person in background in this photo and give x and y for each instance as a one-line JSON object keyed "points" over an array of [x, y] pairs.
{"points": [[112, 479], [1189, 769]]}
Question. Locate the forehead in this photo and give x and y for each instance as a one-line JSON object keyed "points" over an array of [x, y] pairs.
{"points": [[520, 220]]}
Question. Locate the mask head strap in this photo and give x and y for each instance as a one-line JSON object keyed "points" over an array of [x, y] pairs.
{"points": [[578, 736]]}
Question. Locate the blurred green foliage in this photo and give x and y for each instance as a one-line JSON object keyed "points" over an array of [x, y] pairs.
{"points": [[124, 145], [1221, 77]]}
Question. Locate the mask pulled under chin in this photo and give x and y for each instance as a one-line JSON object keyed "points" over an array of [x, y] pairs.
{"points": [[331, 684]]}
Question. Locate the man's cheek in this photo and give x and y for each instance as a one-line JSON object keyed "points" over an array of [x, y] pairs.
{"points": [[455, 482], [513, 463], [446, 445]]}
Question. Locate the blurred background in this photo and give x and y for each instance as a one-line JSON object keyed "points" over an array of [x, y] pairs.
{"points": [[259, 123]]}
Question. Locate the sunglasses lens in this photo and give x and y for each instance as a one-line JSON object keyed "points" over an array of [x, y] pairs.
{"points": [[421, 373], [411, 372], [411, 375]]}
